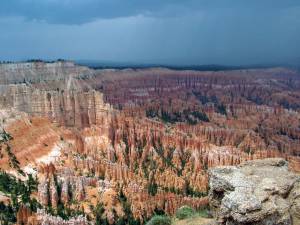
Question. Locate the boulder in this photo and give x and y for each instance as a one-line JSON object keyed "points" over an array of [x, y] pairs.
{"points": [[256, 192]]}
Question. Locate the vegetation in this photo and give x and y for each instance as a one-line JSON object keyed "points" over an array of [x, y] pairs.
{"points": [[221, 109], [184, 212], [62, 210], [44, 61], [152, 188], [7, 214], [98, 213], [19, 192], [187, 216], [6, 62], [203, 213], [200, 116], [197, 218], [5, 139], [159, 220], [128, 219], [151, 113], [192, 117]]}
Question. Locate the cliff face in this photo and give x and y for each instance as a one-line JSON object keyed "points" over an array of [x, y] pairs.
{"points": [[39, 72], [69, 108], [32, 138], [122, 145], [52, 90], [256, 192]]}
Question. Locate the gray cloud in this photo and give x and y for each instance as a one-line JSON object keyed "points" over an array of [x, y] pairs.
{"points": [[170, 31], [83, 11]]}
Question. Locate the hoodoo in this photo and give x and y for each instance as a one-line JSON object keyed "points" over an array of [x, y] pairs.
{"points": [[119, 146]]}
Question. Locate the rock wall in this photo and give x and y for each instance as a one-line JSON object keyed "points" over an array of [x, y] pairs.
{"points": [[73, 108], [37, 72]]}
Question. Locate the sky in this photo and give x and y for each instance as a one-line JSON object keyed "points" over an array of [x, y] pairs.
{"points": [[178, 32]]}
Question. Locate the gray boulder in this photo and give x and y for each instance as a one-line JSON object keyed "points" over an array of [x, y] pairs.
{"points": [[259, 192]]}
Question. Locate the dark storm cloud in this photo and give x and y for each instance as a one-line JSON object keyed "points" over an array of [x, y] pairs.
{"points": [[82, 11], [152, 31]]}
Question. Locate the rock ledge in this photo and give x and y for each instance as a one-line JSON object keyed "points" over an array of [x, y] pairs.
{"points": [[256, 192]]}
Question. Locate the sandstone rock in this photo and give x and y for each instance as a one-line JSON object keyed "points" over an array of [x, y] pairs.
{"points": [[34, 72], [43, 192], [23, 215], [123, 148], [79, 192], [45, 219], [53, 193], [65, 191], [256, 192]]}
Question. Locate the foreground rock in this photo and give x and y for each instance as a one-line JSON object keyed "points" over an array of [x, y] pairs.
{"points": [[256, 192]]}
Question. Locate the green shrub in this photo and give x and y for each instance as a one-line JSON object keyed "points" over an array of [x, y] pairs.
{"points": [[159, 220], [203, 213], [184, 212]]}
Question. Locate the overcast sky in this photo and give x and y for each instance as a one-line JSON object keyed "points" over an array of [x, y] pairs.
{"points": [[152, 31]]}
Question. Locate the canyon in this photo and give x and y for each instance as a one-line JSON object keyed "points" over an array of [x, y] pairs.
{"points": [[118, 146]]}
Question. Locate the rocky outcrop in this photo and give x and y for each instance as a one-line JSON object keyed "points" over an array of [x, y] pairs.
{"points": [[55, 90], [33, 138], [76, 108], [257, 192], [36, 72], [43, 218], [24, 215]]}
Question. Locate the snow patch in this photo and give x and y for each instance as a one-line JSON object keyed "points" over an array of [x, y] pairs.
{"points": [[52, 156]]}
